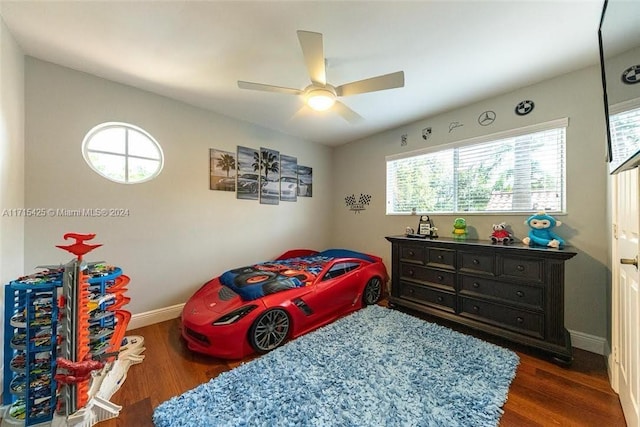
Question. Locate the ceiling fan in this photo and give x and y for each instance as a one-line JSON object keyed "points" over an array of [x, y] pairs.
{"points": [[320, 95]]}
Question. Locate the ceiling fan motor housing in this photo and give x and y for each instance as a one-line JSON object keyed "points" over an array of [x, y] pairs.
{"points": [[320, 98]]}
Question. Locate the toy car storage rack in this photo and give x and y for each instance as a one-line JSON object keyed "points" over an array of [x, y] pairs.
{"points": [[30, 346], [73, 313]]}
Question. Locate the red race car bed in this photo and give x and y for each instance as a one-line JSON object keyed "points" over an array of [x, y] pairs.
{"points": [[258, 307]]}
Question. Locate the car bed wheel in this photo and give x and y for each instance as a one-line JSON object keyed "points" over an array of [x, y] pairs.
{"points": [[372, 291], [269, 330]]}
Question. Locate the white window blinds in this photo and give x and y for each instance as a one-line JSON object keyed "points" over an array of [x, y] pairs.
{"points": [[625, 134], [521, 170]]}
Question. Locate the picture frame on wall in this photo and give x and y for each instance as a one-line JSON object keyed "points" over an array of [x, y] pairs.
{"points": [[288, 178], [269, 164], [305, 181], [222, 170], [248, 179]]}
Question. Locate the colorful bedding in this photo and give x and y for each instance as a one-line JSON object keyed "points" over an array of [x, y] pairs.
{"points": [[258, 280]]}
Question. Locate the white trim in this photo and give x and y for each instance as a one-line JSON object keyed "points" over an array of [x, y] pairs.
{"points": [[612, 368], [154, 316], [587, 342], [624, 106], [553, 124]]}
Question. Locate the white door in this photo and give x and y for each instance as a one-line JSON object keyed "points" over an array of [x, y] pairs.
{"points": [[627, 307]]}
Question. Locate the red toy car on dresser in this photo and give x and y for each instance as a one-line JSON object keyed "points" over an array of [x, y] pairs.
{"points": [[256, 308]]}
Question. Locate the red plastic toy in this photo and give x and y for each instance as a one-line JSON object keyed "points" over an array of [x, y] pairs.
{"points": [[218, 322]]}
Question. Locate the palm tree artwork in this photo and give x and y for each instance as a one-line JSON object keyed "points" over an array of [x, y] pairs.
{"points": [[268, 161], [227, 162], [221, 163]]}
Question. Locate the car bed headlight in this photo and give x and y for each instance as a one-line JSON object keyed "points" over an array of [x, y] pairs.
{"points": [[235, 315]]}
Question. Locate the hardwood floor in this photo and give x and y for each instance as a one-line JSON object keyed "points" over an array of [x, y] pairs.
{"points": [[542, 394]]}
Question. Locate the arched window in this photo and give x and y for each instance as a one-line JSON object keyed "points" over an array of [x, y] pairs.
{"points": [[122, 153]]}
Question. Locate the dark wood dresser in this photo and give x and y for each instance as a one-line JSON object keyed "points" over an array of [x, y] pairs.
{"points": [[512, 291]]}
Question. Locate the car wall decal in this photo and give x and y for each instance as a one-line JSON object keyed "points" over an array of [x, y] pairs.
{"points": [[357, 205]]}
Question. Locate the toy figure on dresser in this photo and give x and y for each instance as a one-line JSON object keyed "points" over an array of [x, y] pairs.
{"points": [[426, 228], [541, 233], [500, 234], [459, 229]]}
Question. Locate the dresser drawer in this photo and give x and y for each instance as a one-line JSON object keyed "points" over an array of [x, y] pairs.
{"points": [[521, 321], [527, 296], [428, 296], [428, 275], [412, 253], [476, 262], [530, 269], [441, 258]]}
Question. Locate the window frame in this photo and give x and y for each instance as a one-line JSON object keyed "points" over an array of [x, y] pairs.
{"points": [[127, 127], [630, 160], [511, 133]]}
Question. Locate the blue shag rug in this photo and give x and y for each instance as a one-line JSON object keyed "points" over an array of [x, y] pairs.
{"points": [[376, 367]]}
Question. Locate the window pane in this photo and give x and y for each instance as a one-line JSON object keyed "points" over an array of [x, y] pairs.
{"points": [[140, 145], [110, 165], [423, 183], [122, 153], [142, 169], [513, 174], [109, 139], [625, 135]]}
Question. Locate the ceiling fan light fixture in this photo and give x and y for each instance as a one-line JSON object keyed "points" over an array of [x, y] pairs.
{"points": [[321, 99]]}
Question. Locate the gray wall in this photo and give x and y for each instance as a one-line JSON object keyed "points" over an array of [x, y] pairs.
{"points": [[11, 162], [11, 156], [179, 233], [359, 167]]}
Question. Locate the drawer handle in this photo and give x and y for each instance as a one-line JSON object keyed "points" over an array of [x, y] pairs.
{"points": [[411, 272], [440, 277], [476, 285], [476, 262], [411, 291], [519, 319], [440, 257], [520, 267], [476, 308], [520, 294], [440, 299], [411, 253]]}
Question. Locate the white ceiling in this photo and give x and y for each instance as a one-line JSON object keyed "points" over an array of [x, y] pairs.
{"points": [[452, 52]]}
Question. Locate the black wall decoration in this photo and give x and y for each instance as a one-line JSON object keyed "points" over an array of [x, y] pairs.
{"points": [[454, 125], [631, 75], [359, 205], [525, 107], [487, 118], [426, 133]]}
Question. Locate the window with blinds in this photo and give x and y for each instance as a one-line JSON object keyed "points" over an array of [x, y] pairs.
{"points": [[521, 170], [625, 133]]}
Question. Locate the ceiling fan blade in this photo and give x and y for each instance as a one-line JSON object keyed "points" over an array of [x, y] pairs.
{"points": [[387, 81], [347, 113], [313, 52], [268, 88], [303, 112]]}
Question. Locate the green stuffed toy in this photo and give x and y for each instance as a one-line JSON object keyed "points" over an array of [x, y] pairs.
{"points": [[459, 229]]}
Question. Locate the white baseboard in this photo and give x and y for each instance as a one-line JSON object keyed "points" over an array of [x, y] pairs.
{"points": [[612, 368], [154, 316], [588, 342]]}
